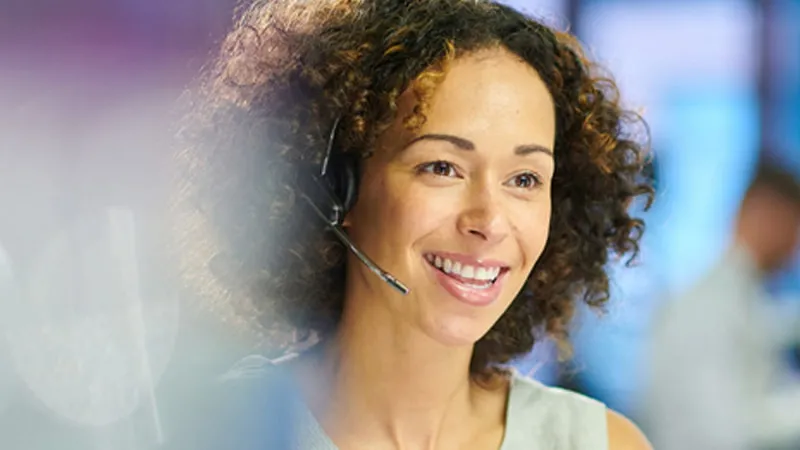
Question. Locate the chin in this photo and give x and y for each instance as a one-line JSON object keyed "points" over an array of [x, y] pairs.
{"points": [[454, 323], [457, 331]]}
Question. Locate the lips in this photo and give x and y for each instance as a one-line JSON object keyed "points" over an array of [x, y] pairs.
{"points": [[470, 280]]}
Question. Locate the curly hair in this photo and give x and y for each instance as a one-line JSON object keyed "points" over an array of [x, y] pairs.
{"points": [[288, 69]]}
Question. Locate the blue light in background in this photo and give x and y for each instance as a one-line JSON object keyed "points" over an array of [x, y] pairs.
{"points": [[708, 161], [551, 12]]}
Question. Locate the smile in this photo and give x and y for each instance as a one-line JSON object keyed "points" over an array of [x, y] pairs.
{"points": [[468, 279]]}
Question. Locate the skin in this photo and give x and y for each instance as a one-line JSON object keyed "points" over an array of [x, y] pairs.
{"points": [[397, 373], [769, 227]]}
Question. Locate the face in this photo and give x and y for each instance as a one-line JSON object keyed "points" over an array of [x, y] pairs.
{"points": [[459, 211], [782, 239]]}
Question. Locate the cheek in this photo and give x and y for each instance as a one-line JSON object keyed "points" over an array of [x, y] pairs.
{"points": [[533, 230], [402, 212], [414, 213], [793, 240], [784, 230]]}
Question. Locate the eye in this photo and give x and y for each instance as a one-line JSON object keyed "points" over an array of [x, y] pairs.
{"points": [[439, 168], [527, 180]]}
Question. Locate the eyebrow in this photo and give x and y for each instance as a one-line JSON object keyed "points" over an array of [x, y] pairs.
{"points": [[466, 144]]}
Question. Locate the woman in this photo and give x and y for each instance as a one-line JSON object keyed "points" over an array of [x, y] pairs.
{"points": [[495, 174]]}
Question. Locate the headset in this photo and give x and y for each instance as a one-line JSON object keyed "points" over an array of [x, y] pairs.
{"points": [[332, 192]]}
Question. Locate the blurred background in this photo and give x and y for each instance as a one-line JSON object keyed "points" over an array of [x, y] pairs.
{"points": [[96, 347]]}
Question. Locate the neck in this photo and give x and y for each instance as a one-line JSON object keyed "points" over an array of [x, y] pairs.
{"points": [[389, 382]]}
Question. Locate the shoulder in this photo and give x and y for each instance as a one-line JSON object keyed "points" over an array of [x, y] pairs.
{"points": [[566, 419], [528, 391], [569, 418], [624, 434]]}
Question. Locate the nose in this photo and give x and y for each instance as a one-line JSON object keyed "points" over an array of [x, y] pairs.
{"points": [[483, 217]]}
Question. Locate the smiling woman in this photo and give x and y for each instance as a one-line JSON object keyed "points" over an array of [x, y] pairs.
{"points": [[463, 188], [493, 177]]}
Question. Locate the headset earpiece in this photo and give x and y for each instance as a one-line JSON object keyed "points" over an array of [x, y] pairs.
{"points": [[332, 191], [343, 177], [340, 171]]}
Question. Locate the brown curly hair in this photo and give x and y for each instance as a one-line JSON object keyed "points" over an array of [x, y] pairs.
{"points": [[290, 68]]}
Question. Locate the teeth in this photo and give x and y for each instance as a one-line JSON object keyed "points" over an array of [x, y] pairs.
{"points": [[448, 266], [465, 271]]}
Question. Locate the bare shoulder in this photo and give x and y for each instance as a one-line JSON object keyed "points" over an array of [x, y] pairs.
{"points": [[624, 434]]}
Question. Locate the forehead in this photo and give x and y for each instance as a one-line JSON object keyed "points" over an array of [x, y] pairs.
{"points": [[492, 93]]}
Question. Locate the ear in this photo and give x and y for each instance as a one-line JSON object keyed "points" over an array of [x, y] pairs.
{"points": [[348, 221]]}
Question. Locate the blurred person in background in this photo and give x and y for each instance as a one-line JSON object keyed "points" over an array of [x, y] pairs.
{"points": [[495, 175], [716, 348]]}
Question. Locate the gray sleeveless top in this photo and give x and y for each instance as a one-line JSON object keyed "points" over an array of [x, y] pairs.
{"points": [[538, 417]]}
